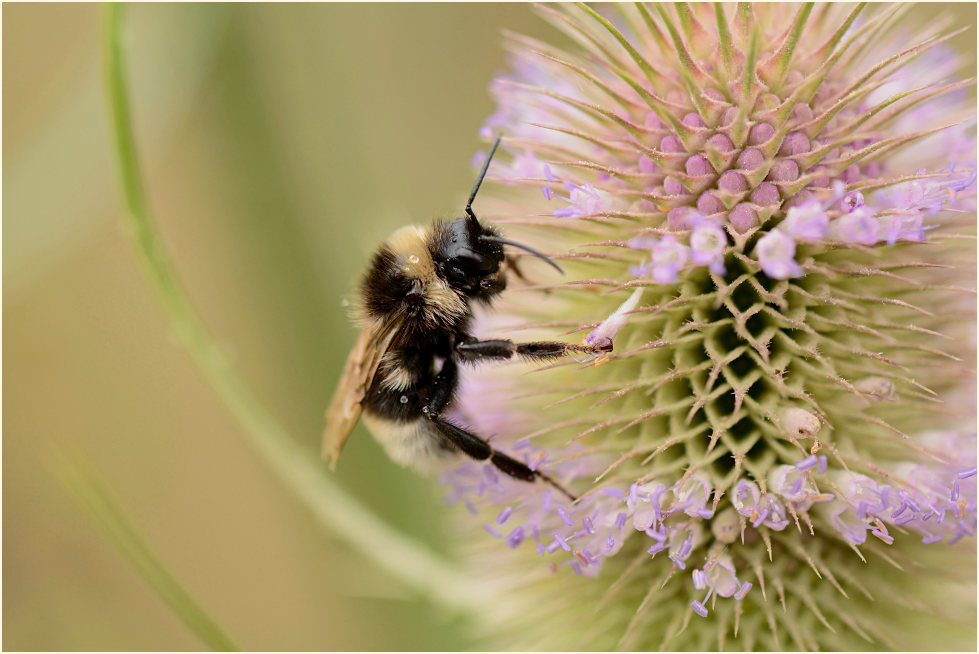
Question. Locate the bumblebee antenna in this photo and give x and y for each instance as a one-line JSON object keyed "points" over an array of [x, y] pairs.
{"points": [[474, 222], [526, 248], [479, 180]]}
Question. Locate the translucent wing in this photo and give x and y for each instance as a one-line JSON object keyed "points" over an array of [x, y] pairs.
{"points": [[358, 374]]}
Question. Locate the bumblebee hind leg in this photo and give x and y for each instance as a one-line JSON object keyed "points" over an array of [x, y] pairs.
{"points": [[469, 443], [475, 447]]}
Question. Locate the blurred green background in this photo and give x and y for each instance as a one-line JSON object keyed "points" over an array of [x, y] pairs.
{"points": [[279, 144]]}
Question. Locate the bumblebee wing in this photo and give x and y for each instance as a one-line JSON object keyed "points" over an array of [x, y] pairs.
{"points": [[358, 374]]}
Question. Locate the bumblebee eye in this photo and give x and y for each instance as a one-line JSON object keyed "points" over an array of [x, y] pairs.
{"points": [[475, 265]]}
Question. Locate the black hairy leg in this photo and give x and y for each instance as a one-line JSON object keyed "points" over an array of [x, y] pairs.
{"points": [[472, 349], [469, 443], [475, 447]]}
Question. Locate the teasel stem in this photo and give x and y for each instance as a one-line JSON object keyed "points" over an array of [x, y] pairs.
{"points": [[90, 491]]}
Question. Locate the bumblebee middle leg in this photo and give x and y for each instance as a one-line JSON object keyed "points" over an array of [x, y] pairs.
{"points": [[469, 443]]}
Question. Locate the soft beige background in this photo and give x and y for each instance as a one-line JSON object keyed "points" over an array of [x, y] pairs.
{"points": [[280, 143]]}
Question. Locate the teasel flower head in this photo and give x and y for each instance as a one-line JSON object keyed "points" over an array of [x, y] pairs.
{"points": [[769, 210]]}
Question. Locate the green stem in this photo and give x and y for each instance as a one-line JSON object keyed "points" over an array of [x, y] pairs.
{"points": [[300, 470], [90, 491]]}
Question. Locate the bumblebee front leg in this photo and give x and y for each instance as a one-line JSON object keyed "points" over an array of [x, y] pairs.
{"points": [[469, 443], [476, 350]]}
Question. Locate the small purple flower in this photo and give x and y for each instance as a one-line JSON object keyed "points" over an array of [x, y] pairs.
{"points": [[746, 498], [584, 200], [939, 502], [691, 497], [845, 521], [927, 194], [813, 461], [525, 164], [851, 201], [515, 537], [707, 243], [668, 257], [759, 508], [894, 228], [644, 504], [776, 254], [643, 242], [722, 577], [682, 541], [858, 226], [773, 513], [795, 487], [718, 577], [852, 512], [808, 222]]}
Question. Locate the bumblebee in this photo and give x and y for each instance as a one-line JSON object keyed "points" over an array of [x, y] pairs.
{"points": [[416, 302]]}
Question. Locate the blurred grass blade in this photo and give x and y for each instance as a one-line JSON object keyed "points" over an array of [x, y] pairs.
{"points": [[300, 470], [91, 492]]}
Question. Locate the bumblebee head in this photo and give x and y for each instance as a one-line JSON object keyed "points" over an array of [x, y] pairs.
{"points": [[468, 257], [469, 254], [431, 275]]}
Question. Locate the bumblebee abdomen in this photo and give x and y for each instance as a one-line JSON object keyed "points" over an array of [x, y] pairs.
{"points": [[414, 444], [396, 419]]}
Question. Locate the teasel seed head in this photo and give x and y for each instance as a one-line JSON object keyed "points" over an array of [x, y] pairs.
{"points": [[769, 210]]}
